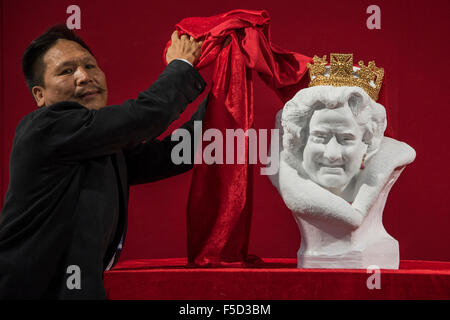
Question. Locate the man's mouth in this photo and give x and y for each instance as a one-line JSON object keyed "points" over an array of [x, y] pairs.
{"points": [[88, 94]]}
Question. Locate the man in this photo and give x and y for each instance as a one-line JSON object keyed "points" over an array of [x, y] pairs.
{"points": [[73, 160]]}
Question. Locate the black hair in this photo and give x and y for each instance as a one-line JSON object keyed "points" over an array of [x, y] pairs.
{"points": [[32, 60]]}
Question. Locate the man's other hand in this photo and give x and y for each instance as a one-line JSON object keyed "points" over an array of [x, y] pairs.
{"points": [[184, 47]]}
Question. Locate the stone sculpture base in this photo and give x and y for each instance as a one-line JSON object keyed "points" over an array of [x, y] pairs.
{"points": [[384, 255], [335, 248]]}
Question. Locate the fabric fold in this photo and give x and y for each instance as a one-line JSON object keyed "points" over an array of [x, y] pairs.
{"points": [[220, 201]]}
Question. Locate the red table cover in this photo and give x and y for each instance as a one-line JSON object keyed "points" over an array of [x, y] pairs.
{"points": [[272, 279]]}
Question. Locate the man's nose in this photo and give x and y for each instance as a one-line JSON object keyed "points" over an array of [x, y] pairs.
{"points": [[82, 76], [333, 150]]}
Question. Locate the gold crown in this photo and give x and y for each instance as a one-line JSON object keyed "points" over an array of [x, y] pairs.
{"points": [[341, 73]]}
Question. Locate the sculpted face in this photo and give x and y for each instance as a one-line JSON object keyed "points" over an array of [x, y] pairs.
{"points": [[333, 153], [71, 74]]}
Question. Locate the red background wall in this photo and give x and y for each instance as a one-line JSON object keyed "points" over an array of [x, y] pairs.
{"points": [[128, 38]]}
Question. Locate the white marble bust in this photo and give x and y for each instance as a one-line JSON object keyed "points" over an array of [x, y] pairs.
{"points": [[336, 170]]}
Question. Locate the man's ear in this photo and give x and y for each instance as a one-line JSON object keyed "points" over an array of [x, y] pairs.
{"points": [[39, 96]]}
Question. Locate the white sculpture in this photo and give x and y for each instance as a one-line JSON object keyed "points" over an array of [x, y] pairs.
{"points": [[337, 168]]}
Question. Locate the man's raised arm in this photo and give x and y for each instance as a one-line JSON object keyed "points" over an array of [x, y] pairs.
{"points": [[152, 160]]}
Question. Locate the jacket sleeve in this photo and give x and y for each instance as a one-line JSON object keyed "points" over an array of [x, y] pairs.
{"points": [[152, 161], [70, 132]]}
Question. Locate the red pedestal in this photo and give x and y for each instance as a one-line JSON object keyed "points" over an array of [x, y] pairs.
{"points": [[274, 279]]}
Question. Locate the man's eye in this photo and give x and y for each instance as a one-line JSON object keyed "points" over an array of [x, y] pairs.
{"points": [[67, 71], [90, 66]]}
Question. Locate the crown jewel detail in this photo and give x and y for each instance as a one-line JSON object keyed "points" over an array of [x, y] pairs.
{"points": [[341, 73]]}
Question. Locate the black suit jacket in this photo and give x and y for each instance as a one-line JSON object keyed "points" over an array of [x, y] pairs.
{"points": [[70, 171]]}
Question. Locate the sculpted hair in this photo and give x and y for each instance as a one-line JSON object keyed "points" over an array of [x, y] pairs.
{"points": [[297, 113], [32, 61]]}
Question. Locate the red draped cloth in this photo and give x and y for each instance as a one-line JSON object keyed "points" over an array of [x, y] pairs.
{"points": [[220, 201]]}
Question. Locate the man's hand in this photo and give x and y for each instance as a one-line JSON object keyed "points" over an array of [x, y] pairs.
{"points": [[184, 47]]}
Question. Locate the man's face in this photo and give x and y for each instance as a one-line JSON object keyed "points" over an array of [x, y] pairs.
{"points": [[334, 150], [71, 74]]}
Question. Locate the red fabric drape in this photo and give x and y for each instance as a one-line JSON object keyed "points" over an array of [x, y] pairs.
{"points": [[219, 206]]}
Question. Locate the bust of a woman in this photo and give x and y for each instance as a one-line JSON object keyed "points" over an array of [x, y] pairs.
{"points": [[336, 170]]}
